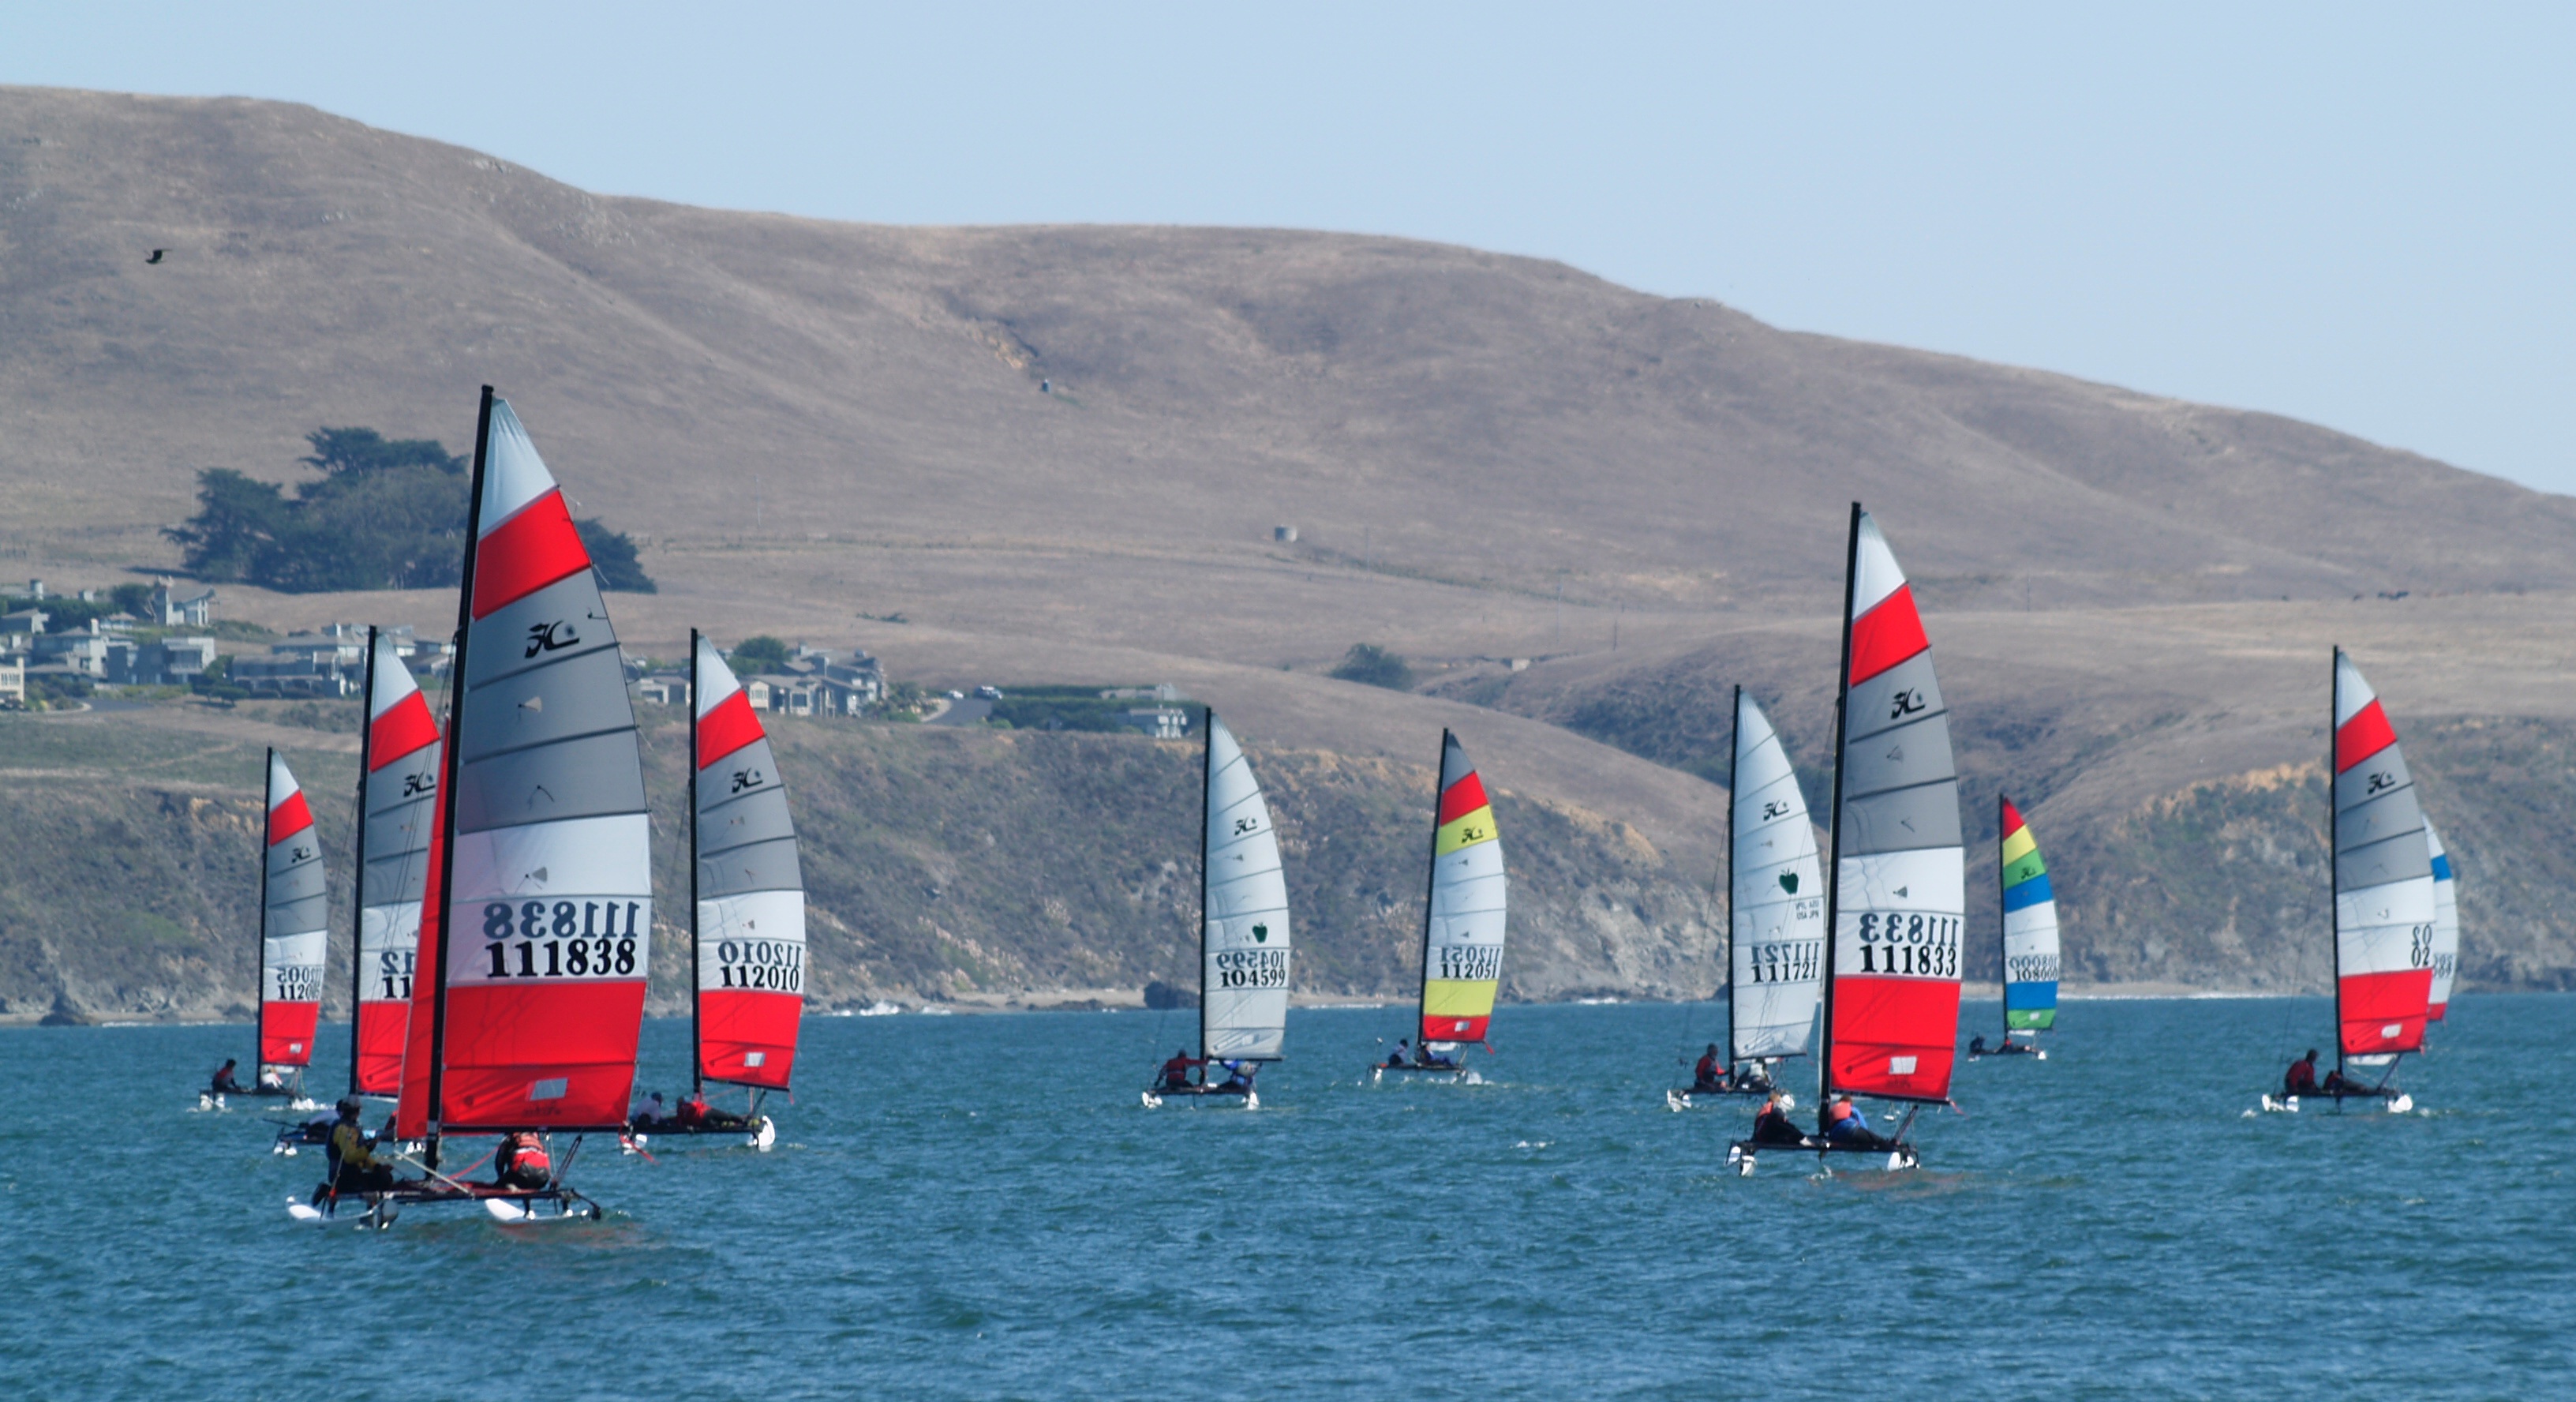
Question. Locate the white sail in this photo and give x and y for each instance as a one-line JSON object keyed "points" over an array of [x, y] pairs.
{"points": [[1244, 944], [1777, 910]]}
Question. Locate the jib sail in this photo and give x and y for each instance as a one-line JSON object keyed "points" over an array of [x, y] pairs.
{"points": [[2030, 928], [1900, 882], [1462, 926], [399, 759], [294, 926], [749, 892], [2383, 880], [1243, 928], [2446, 928], [1777, 915], [536, 926]]}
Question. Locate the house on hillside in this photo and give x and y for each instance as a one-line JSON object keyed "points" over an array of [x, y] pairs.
{"points": [[84, 650], [13, 684], [170, 662], [847, 684], [783, 694], [664, 689], [26, 622], [168, 608]]}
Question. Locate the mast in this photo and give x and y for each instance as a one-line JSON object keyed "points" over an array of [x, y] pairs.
{"points": [[1834, 832], [1734, 759], [358, 868], [2003, 944], [447, 774], [259, 926], [697, 1059], [1430, 882], [1207, 776], [2334, 849]]}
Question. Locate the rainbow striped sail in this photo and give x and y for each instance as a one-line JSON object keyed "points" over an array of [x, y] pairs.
{"points": [[2030, 929], [1462, 928]]}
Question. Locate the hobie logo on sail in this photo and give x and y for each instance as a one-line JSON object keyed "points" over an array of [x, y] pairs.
{"points": [[1260, 934], [1789, 882]]}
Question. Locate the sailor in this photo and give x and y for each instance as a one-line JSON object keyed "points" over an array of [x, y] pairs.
{"points": [[271, 1079], [1238, 1076], [2302, 1079], [649, 1113], [521, 1161], [224, 1084], [1977, 1044], [354, 1165], [1772, 1126], [1403, 1052], [1176, 1072], [1709, 1077], [693, 1111], [2337, 1083], [1423, 1055], [1847, 1128]]}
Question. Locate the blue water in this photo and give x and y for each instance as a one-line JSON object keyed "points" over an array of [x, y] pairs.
{"points": [[977, 1207]]}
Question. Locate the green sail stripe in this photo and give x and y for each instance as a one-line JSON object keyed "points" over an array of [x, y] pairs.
{"points": [[2024, 870]]}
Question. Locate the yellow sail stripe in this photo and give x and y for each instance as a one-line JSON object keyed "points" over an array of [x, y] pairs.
{"points": [[1466, 830], [1457, 997], [2021, 844]]}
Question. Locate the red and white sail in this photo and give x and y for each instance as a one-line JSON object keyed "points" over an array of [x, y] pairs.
{"points": [[294, 925], [2446, 927], [401, 780], [1900, 870], [750, 890], [2383, 881], [537, 955]]}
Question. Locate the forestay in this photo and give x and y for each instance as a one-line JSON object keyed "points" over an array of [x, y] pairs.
{"points": [[2383, 880], [1462, 935], [1900, 884], [294, 925], [536, 927], [2030, 928], [2446, 928], [1243, 940], [1777, 913], [750, 929], [395, 796]]}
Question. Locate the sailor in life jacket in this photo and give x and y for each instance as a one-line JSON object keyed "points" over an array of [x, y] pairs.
{"points": [[521, 1162]]}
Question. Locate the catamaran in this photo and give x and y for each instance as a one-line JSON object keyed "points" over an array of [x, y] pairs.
{"points": [[1776, 915], [1898, 902], [1462, 926], [746, 914], [537, 915], [2029, 935], [294, 932], [2384, 914], [2446, 928], [1244, 943]]}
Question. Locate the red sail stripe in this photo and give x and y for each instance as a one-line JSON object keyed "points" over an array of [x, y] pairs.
{"points": [[403, 729], [382, 1029], [526, 553], [2366, 734], [1877, 1018], [1886, 635], [734, 1023], [412, 1113], [2434, 1013], [2372, 1003], [1463, 798], [727, 728], [500, 1039], [2012, 819], [1453, 1029], [288, 818], [286, 1032]]}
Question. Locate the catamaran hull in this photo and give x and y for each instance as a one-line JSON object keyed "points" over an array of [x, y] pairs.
{"points": [[515, 1206], [1444, 1075], [1197, 1095], [2396, 1102], [1682, 1101], [760, 1135], [1740, 1155]]}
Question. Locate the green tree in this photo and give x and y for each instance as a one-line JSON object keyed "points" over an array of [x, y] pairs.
{"points": [[1371, 665], [612, 553], [760, 653]]}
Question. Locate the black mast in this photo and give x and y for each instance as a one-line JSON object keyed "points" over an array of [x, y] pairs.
{"points": [[1430, 883], [1834, 827], [448, 757], [1734, 761], [1207, 775], [2003, 950], [358, 868], [2334, 854], [259, 960], [697, 1083]]}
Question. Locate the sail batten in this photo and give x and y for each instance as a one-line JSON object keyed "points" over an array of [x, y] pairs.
{"points": [[294, 924], [537, 919], [396, 793], [1244, 939], [1776, 909], [1898, 902], [749, 885], [2383, 880], [1463, 914], [2030, 941]]}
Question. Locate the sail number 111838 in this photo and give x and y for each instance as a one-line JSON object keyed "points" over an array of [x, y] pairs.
{"points": [[561, 939]]}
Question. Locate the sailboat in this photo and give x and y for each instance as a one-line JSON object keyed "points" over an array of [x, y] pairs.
{"points": [[2029, 935], [2384, 913], [1776, 913], [2446, 928], [294, 935], [1897, 905], [1244, 942], [1462, 925], [537, 916], [746, 912], [398, 763]]}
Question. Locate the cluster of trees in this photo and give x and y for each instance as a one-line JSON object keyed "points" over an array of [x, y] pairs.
{"points": [[1371, 665], [386, 513]]}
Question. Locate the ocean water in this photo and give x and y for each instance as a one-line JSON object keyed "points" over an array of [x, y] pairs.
{"points": [[976, 1206]]}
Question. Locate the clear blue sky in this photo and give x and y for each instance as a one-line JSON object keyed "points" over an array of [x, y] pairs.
{"points": [[2360, 215]]}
